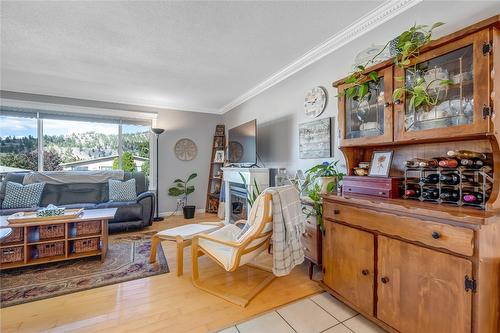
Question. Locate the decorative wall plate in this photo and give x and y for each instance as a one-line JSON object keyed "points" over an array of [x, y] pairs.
{"points": [[315, 102], [235, 151], [185, 149]]}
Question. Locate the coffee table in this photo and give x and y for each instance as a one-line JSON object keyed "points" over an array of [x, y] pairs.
{"points": [[182, 236], [29, 242]]}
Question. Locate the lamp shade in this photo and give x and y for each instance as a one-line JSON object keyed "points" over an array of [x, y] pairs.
{"points": [[157, 131]]}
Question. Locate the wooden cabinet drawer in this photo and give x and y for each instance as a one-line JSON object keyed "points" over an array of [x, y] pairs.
{"points": [[455, 239], [309, 243]]}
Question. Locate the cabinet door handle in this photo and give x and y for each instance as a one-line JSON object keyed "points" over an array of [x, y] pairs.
{"points": [[365, 272], [436, 235], [306, 234], [384, 279], [397, 102], [387, 104], [336, 211]]}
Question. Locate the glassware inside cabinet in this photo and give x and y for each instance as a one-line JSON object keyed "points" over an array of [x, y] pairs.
{"points": [[448, 80], [365, 118]]}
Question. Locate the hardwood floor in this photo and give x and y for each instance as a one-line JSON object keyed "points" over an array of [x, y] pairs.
{"points": [[162, 303]]}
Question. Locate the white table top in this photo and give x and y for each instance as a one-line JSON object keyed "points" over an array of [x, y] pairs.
{"points": [[87, 215]]}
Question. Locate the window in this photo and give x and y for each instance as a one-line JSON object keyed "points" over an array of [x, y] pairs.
{"points": [[18, 142], [79, 145], [71, 142], [135, 146]]}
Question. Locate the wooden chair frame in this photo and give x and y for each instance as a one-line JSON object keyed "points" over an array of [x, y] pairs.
{"points": [[242, 249]]}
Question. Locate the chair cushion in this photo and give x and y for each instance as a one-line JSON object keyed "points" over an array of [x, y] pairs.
{"points": [[223, 253], [22, 196], [187, 231], [122, 191]]}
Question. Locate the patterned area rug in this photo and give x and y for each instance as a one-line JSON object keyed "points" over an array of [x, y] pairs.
{"points": [[127, 259]]}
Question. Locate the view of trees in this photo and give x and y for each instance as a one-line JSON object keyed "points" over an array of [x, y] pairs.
{"points": [[21, 152]]}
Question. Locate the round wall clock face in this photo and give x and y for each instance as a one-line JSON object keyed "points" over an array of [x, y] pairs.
{"points": [[185, 149], [315, 102], [235, 151]]}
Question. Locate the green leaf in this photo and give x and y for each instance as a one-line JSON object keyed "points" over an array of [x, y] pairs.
{"points": [[437, 24], [351, 79], [175, 192], [363, 90], [373, 76], [397, 94], [331, 186], [189, 190], [179, 181], [360, 67], [191, 177], [351, 91]]}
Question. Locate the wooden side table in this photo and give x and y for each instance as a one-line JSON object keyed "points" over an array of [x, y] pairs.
{"points": [[182, 237]]}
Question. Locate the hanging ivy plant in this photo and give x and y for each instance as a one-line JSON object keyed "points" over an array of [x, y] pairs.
{"points": [[405, 46], [418, 93]]}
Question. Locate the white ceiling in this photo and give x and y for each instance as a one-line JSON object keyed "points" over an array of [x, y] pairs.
{"points": [[197, 56]]}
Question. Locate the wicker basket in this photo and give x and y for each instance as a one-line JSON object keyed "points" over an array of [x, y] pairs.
{"points": [[88, 228], [51, 231], [50, 249], [12, 254], [86, 245], [16, 236]]}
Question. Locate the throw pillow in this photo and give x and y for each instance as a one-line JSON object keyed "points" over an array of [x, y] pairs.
{"points": [[22, 196], [122, 190]]}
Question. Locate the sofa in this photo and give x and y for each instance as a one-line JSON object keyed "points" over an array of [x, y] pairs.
{"points": [[129, 215]]}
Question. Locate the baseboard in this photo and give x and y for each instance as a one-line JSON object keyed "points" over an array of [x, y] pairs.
{"points": [[179, 212]]}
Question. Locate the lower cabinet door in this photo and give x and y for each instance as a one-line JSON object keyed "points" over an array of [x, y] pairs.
{"points": [[348, 259], [421, 290]]}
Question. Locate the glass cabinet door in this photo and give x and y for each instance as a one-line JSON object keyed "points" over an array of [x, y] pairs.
{"points": [[455, 77], [368, 120]]}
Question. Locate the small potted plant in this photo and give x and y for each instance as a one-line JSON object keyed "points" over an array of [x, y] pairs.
{"points": [[326, 175], [182, 188]]}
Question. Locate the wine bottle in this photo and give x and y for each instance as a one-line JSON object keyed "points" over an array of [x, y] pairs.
{"points": [[450, 178], [466, 154], [449, 163], [449, 195], [413, 163], [474, 197], [431, 179], [412, 192], [430, 194], [432, 163], [473, 163]]}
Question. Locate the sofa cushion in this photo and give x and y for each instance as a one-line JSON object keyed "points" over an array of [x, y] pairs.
{"points": [[126, 211], [80, 205], [10, 211], [122, 191], [22, 196]]}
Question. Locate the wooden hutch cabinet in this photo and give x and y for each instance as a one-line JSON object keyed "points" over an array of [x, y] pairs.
{"points": [[414, 266]]}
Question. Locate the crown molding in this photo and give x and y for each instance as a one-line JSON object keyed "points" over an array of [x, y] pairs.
{"points": [[366, 23]]}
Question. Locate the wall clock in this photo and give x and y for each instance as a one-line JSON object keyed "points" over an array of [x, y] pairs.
{"points": [[185, 149], [315, 102]]}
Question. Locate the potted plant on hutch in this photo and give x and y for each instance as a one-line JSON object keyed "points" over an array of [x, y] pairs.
{"points": [[182, 188]]}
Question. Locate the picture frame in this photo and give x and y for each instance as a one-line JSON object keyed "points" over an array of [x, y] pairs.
{"points": [[315, 139], [219, 156], [380, 165]]}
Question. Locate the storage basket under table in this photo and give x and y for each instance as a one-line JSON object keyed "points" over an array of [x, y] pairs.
{"points": [[86, 245], [12, 254]]}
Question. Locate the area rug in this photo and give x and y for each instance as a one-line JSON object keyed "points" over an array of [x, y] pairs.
{"points": [[127, 259]]}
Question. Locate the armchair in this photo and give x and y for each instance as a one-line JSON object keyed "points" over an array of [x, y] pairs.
{"points": [[231, 247]]}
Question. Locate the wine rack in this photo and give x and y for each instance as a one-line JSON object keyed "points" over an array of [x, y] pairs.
{"points": [[482, 182]]}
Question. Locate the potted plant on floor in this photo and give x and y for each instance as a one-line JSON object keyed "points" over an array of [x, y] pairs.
{"points": [[182, 188]]}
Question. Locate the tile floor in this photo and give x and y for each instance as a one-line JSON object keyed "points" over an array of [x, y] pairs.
{"points": [[319, 313]]}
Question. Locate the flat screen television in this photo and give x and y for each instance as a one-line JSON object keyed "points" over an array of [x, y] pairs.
{"points": [[242, 144]]}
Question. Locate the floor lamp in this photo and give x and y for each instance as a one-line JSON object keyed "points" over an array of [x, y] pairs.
{"points": [[157, 132]]}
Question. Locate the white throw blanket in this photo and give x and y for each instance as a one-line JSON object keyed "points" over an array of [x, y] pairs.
{"points": [[64, 177], [288, 226]]}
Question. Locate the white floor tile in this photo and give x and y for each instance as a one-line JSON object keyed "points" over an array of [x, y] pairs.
{"points": [[307, 317], [360, 324], [229, 330], [336, 308], [270, 322], [340, 328]]}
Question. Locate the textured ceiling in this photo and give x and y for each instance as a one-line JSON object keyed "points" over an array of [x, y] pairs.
{"points": [[186, 55]]}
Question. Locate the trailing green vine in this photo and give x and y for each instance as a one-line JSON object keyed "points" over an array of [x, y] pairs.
{"points": [[407, 45]]}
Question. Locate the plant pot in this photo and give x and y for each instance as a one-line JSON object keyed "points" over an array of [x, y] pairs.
{"points": [[189, 211], [324, 182]]}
